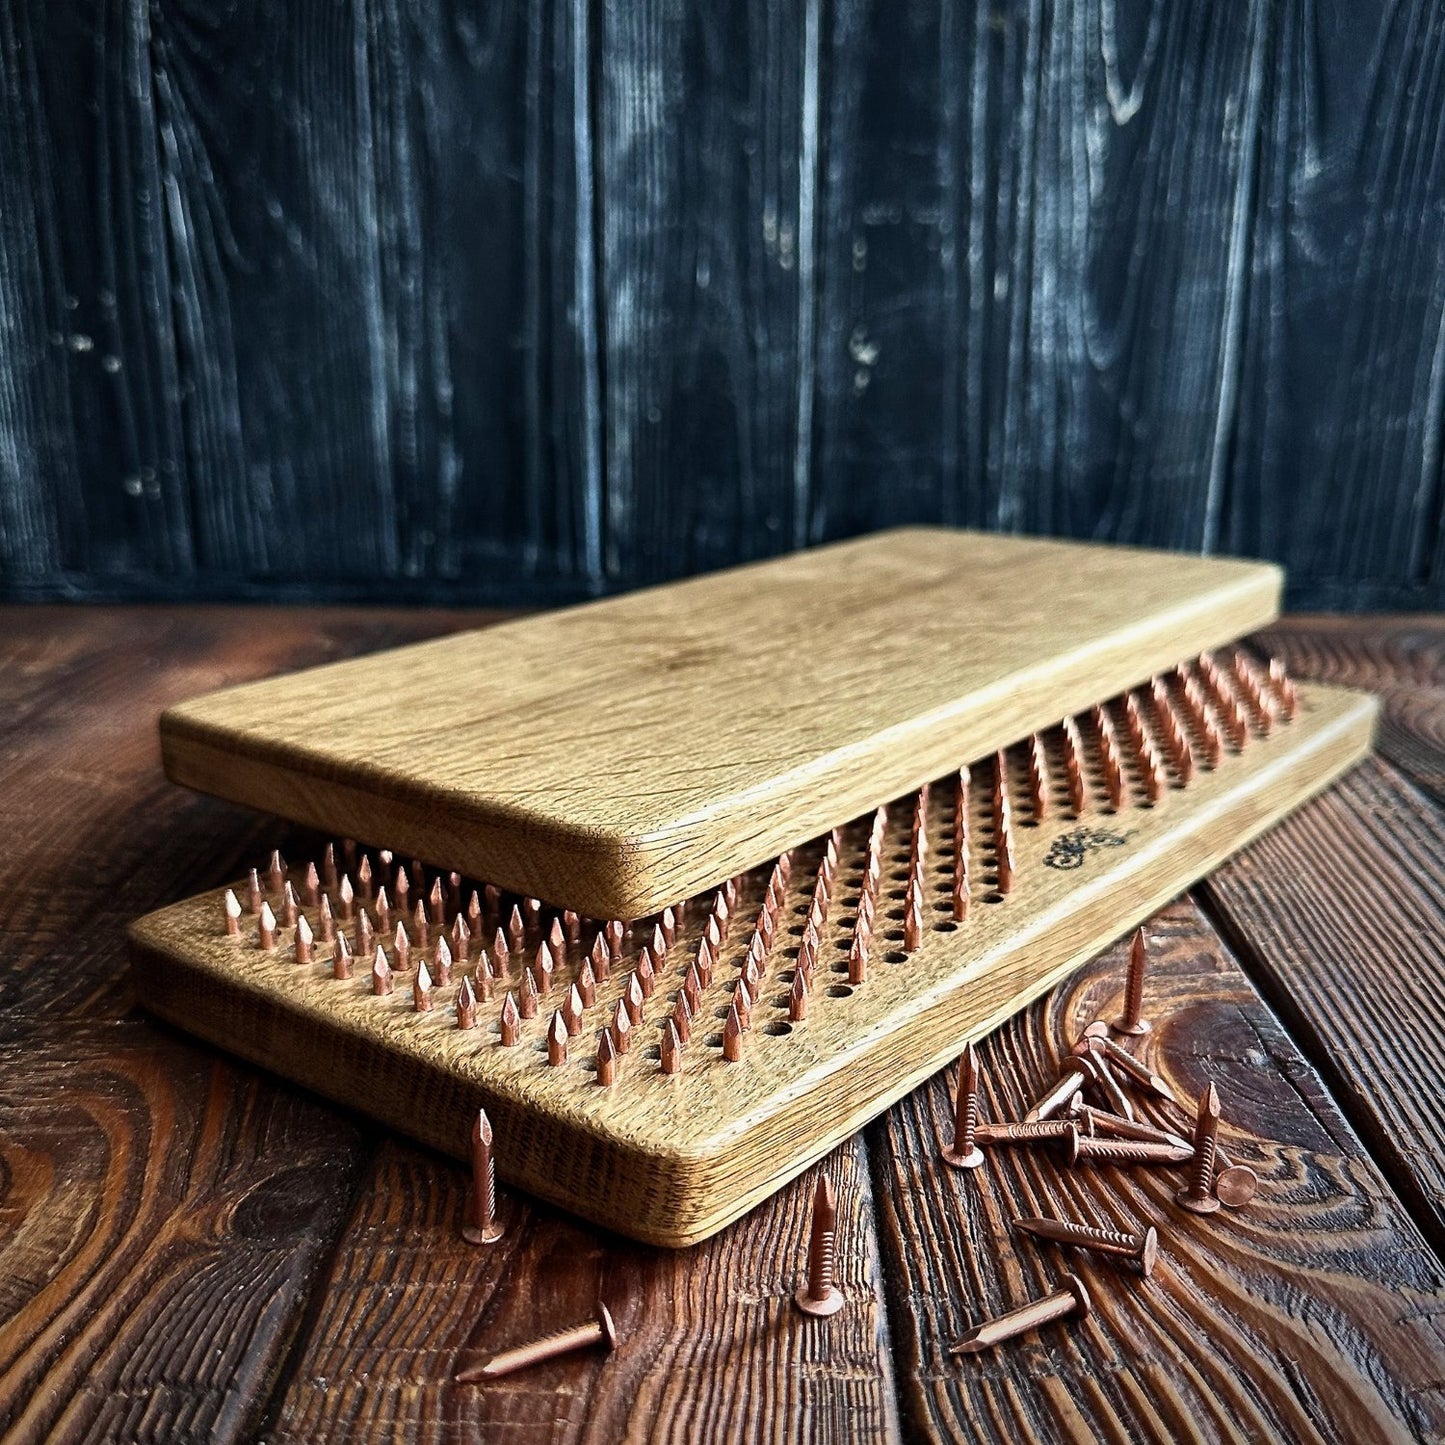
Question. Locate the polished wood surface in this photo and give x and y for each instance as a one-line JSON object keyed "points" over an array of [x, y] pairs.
{"points": [[618, 757], [192, 1250]]}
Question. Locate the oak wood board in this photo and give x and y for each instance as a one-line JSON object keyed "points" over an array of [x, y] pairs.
{"points": [[622, 755]]}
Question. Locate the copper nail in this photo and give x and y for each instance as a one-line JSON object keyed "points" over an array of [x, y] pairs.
{"points": [[401, 946], [1198, 1195], [1033, 1131], [421, 988], [1234, 1184], [401, 887], [328, 922], [466, 1005], [646, 972], [587, 983], [266, 927], [1132, 1020], [1072, 1299], [1038, 777], [606, 1058], [345, 900], [438, 901], [304, 940], [341, 958], [232, 908], [1071, 1079], [557, 939], [516, 929], [557, 1040], [1102, 1078], [277, 873], [363, 879], [382, 909], [742, 1005], [365, 938], [544, 967], [253, 892], [510, 1021], [634, 997], [483, 1226], [1142, 1075], [571, 1011], [442, 964], [501, 955], [1074, 765], [670, 1053], [290, 905], [420, 928], [622, 1027], [461, 937], [732, 1040], [601, 1331], [1124, 1151], [380, 973], [328, 867], [1142, 1248], [820, 1295], [964, 1152], [311, 886], [682, 1017], [1110, 1125], [798, 999], [529, 995]]}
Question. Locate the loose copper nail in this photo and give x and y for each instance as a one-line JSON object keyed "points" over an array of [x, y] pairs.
{"points": [[510, 1021], [380, 973], [1102, 1078], [1116, 1126], [587, 983], [820, 1295], [442, 964], [1124, 1151], [1142, 1248], [1198, 1195], [341, 958], [266, 927], [290, 905], [557, 1040], [345, 900], [634, 997], [401, 947], [304, 940], [571, 1011], [1132, 1020], [1142, 1075], [1234, 1184], [1072, 1299], [529, 996], [606, 1058], [466, 1005], [964, 1152], [277, 873], [622, 1027], [1072, 1078], [732, 1040], [670, 1053], [253, 892], [232, 908], [601, 1331], [482, 1226], [1034, 1131], [421, 988]]}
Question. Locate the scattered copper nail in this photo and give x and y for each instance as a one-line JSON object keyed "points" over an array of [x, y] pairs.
{"points": [[1234, 1184], [634, 997], [277, 873], [622, 1027], [1198, 1195], [557, 1040], [232, 908], [1071, 1079], [797, 999], [1142, 1248], [1036, 1131], [732, 1040], [601, 1331], [670, 1053], [290, 905], [253, 892], [1125, 1151], [606, 1058], [421, 988], [1132, 1020], [1102, 1078], [1116, 1126], [964, 1152], [442, 964], [266, 927], [510, 1021], [1072, 1299], [820, 1295], [345, 900], [363, 878], [380, 972], [482, 1226], [304, 939], [587, 983], [1142, 1075], [571, 1011], [341, 958], [466, 1005]]}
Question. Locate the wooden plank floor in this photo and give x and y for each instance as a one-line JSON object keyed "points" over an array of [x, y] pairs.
{"points": [[191, 1250]]}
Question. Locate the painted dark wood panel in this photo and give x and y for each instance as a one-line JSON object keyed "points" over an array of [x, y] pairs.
{"points": [[526, 301]]}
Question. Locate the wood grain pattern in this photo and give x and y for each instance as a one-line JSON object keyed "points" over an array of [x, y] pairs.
{"points": [[513, 303], [711, 1345], [1333, 915], [671, 1158], [1312, 1313], [621, 756]]}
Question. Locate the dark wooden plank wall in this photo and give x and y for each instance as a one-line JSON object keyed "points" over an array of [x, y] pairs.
{"points": [[525, 301]]}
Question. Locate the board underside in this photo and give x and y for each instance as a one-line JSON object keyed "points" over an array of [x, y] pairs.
{"points": [[622, 755], [672, 1158]]}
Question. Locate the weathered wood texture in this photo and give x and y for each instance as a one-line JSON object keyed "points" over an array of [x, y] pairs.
{"points": [[518, 301], [1312, 1313]]}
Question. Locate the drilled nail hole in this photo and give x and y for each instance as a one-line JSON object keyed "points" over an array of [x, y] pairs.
{"points": [[945, 925], [896, 955], [894, 935], [714, 1041], [943, 907], [897, 911], [778, 1028], [786, 976], [652, 1051], [993, 898], [721, 1013], [840, 990]]}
